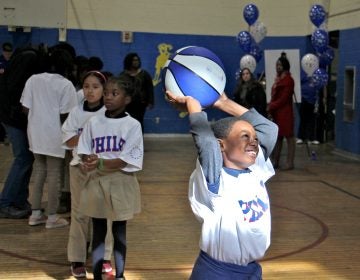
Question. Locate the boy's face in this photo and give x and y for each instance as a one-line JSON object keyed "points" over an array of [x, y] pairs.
{"points": [[241, 147], [115, 98]]}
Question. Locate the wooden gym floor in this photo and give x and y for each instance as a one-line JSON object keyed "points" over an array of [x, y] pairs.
{"points": [[315, 221]]}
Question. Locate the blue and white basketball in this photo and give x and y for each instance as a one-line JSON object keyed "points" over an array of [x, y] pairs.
{"points": [[197, 72]]}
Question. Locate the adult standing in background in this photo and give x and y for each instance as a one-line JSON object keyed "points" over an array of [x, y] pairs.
{"points": [[7, 50], [143, 97], [250, 93], [308, 111], [14, 196], [281, 111]]}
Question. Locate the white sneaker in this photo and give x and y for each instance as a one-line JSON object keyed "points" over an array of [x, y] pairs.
{"points": [[315, 142], [58, 223], [37, 220], [299, 141]]}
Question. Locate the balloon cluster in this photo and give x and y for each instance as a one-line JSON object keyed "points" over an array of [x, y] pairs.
{"points": [[248, 40], [314, 65]]}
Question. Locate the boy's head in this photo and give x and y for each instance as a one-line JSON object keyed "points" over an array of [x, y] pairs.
{"points": [[238, 142]]}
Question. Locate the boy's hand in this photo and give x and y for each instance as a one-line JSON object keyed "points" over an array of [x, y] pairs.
{"points": [[183, 103], [221, 101]]}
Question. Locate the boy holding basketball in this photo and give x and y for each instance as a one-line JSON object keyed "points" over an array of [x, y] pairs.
{"points": [[227, 188]]}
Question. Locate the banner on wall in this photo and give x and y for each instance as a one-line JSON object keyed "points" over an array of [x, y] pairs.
{"points": [[271, 56]]}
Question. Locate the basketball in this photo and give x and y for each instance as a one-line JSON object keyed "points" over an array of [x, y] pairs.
{"points": [[197, 72]]}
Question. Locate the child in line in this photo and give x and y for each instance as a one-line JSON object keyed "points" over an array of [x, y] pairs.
{"points": [[80, 228], [111, 146], [47, 99], [227, 189]]}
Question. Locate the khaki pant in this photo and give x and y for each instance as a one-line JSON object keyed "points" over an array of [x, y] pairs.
{"points": [[51, 170], [80, 228]]}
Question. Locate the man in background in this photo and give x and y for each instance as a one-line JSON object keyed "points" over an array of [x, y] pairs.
{"points": [[7, 50]]}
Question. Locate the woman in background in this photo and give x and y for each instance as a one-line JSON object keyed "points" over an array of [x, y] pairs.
{"points": [[281, 111], [250, 93]]}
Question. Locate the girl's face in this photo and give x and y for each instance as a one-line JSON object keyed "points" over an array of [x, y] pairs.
{"points": [[115, 99], [246, 75], [93, 90]]}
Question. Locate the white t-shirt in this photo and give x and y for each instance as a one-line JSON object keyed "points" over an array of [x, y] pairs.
{"points": [[112, 138], [47, 96], [80, 96], [236, 222], [74, 125]]}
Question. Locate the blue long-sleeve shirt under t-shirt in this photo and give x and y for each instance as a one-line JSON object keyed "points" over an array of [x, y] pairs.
{"points": [[209, 149]]}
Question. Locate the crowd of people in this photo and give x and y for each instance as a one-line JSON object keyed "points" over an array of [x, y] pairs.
{"points": [[80, 130], [70, 128]]}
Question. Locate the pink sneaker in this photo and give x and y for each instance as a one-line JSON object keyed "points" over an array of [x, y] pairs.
{"points": [[58, 223], [78, 271], [106, 267]]}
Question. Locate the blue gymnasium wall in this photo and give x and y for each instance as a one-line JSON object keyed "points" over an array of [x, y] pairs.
{"points": [[108, 46], [348, 133]]}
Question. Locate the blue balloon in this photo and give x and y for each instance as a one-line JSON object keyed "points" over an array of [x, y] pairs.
{"points": [[320, 78], [320, 40], [256, 52], [251, 14], [326, 57], [244, 40], [317, 15]]}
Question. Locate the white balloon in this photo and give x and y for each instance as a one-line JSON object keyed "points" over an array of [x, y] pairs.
{"points": [[309, 63], [248, 61], [258, 31]]}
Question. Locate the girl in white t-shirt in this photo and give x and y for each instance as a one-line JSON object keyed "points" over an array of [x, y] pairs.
{"points": [[79, 234], [111, 147]]}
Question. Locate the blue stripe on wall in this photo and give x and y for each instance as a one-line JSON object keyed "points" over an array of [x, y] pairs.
{"points": [[108, 46]]}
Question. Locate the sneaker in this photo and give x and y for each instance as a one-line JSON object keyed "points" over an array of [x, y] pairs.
{"points": [[26, 206], [58, 223], [11, 212], [78, 270], [315, 142], [37, 220], [299, 141], [106, 267]]}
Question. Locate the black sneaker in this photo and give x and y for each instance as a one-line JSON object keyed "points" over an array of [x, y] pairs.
{"points": [[26, 206], [11, 212]]}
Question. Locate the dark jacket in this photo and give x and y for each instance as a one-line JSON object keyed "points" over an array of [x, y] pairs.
{"points": [[23, 64]]}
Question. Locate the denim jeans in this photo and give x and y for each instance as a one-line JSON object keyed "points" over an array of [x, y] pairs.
{"points": [[16, 187]]}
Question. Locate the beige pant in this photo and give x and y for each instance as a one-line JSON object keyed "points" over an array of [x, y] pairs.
{"points": [[81, 227], [51, 170]]}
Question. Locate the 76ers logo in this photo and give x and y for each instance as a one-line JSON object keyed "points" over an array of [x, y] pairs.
{"points": [[253, 210]]}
